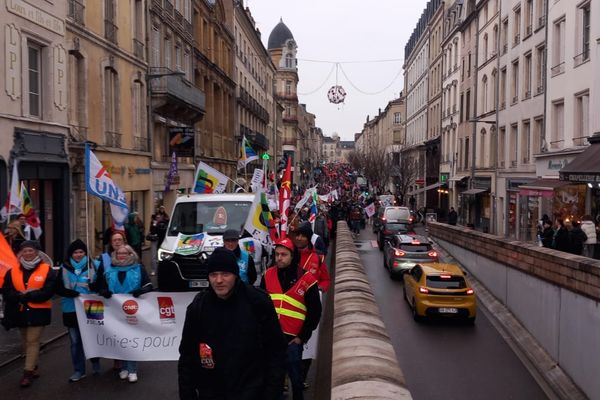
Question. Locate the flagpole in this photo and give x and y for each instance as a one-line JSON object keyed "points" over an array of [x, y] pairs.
{"points": [[87, 224]]}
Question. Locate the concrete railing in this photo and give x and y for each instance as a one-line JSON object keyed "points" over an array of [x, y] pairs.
{"points": [[554, 295], [364, 364]]}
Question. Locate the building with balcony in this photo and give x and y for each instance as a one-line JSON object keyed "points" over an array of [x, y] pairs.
{"points": [[107, 106], [256, 108], [451, 106], [214, 58], [34, 114], [283, 50]]}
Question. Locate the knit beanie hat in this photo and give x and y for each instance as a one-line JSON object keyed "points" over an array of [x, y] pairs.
{"points": [[223, 260], [34, 244], [304, 229], [76, 245]]}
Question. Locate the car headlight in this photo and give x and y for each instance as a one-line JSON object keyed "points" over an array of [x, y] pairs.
{"points": [[164, 255]]}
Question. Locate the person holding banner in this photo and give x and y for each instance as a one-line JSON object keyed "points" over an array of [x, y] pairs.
{"points": [[124, 275], [28, 291], [77, 274], [310, 258], [232, 346], [296, 299]]}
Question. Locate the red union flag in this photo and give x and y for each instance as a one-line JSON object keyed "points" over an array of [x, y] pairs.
{"points": [[285, 194]]}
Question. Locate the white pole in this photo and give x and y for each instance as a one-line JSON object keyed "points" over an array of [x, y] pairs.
{"points": [[87, 225]]}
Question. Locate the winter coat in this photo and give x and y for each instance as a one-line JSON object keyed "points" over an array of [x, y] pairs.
{"points": [[547, 235], [561, 240], [576, 238], [248, 347], [589, 229], [17, 313]]}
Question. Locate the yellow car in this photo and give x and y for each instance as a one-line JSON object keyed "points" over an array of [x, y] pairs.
{"points": [[439, 289]]}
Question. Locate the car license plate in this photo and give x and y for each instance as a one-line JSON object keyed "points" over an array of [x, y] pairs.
{"points": [[198, 284], [448, 310]]}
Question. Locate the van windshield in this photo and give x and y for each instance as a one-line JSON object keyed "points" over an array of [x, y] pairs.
{"points": [[211, 217]]}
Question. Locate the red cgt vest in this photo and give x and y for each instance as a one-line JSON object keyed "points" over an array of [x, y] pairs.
{"points": [[36, 281], [289, 306]]}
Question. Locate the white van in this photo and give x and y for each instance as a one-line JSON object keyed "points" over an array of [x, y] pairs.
{"points": [[211, 214]]}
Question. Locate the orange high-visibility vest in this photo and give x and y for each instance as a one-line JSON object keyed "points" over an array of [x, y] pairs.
{"points": [[36, 281], [290, 306]]}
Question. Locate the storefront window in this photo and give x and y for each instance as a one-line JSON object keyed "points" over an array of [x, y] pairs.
{"points": [[595, 204], [569, 202], [512, 215], [529, 218]]}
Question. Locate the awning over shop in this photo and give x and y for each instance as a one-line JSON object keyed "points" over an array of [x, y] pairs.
{"points": [[585, 168], [474, 191], [541, 187], [458, 178], [426, 188]]}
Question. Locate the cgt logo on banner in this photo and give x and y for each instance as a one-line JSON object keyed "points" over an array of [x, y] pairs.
{"points": [[144, 329]]}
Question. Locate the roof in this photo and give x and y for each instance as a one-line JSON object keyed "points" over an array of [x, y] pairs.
{"points": [[279, 35]]}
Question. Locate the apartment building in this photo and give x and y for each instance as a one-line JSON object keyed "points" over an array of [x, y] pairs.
{"points": [[416, 84], [34, 116], [176, 103], [433, 197], [521, 89], [283, 51], [254, 71], [214, 58], [451, 47]]}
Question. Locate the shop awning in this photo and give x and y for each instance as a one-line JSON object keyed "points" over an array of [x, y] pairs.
{"points": [[474, 191], [585, 168], [458, 178], [426, 188], [541, 187]]}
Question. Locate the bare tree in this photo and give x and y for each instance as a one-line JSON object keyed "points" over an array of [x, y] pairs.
{"points": [[376, 166], [405, 174]]}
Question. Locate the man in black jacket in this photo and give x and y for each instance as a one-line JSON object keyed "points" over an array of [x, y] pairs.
{"points": [[232, 346]]}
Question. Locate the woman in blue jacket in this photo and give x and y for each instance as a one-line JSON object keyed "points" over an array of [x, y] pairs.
{"points": [[76, 276], [124, 275]]}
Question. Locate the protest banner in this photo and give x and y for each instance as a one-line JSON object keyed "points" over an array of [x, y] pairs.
{"points": [[146, 328]]}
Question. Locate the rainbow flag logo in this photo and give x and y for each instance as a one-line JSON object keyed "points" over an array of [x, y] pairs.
{"points": [[94, 309], [249, 247], [247, 153], [179, 139], [209, 180]]}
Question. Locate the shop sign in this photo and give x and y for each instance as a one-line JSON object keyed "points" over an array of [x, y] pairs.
{"points": [[181, 141], [551, 166], [122, 170], [444, 178]]}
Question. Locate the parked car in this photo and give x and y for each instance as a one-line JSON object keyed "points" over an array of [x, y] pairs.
{"points": [[439, 290], [403, 252]]}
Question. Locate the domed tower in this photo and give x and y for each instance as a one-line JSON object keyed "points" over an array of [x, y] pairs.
{"points": [[283, 50]]}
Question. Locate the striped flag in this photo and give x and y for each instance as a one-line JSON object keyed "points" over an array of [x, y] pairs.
{"points": [[209, 180], [29, 212], [247, 153]]}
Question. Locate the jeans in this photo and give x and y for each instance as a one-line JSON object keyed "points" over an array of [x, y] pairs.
{"points": [[130, 366], [294, 368], [77, 354], [154, 251], [31, 345]]}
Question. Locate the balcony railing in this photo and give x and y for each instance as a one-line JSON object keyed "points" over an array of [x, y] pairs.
{"points": [[541, 21], [110, 31], [504, 48], [79, 133], [502, 164], [529, 30], [112, 139], [178, 18], [169, 7], [540, 89], [558, 69], [503, 105], [157, 3], [76, 11], [527, 95], [141, 143], [517, 39], [138, 49], [515, 99], [513, 163], [454, 108], [582, 57], [525, 160]]}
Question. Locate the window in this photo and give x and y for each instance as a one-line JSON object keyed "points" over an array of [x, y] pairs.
{"points": [[482, 147], [514, 90], [110, 29], [540, 69], [526, 141], [77, 95], [485, 47], [504, 36], [494, 88], [513, 147], [540, 11], [527, 76], [484, 95], [582, 118], [583, 33], [288, 88], [502, 146], [466, 153], [558, 49], [155, 47], [468, 106], [138, 108], [460, 115], [517, 26], [528, 18], [168, 52], [397, 118], [538, 134], [503, 88], [178, 57], [558, 124], [111, 89], [289, 61], [469, 66], [34, 65]]}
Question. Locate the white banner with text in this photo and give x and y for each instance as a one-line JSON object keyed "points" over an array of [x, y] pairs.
{"points": [[147, 328]]}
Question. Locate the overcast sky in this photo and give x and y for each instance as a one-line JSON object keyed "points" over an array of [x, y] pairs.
{"points": [[344, 31]]}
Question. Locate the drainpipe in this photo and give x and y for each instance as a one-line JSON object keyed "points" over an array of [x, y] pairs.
{"points": [[475, 77], [495, 196]]}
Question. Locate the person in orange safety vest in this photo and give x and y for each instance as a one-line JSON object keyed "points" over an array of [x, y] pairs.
{"points": [[28, 290], [295, 296]]}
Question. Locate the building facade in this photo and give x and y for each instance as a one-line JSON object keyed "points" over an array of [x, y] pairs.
{"points": [[34, 120]]}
